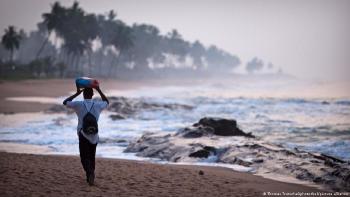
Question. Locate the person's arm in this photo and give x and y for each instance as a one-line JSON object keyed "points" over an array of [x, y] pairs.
{"points": [[104, 98], [72, 97]]}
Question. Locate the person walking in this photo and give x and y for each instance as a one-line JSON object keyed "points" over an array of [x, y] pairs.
{"points": [[88, 112]]}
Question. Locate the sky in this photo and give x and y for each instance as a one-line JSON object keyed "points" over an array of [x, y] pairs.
{"points": [[306, 38]]}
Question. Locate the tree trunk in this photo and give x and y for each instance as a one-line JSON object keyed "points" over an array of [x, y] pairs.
{"points": [[78, 66], [111, 67], [73, 64], [89, 62], [11, 55], [42, 46], [69, 61], [116, 67]]}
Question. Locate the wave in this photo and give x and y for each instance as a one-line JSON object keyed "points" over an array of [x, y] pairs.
{"points": [[343, 102]]}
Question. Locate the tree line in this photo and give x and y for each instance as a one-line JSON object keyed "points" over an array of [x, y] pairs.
{"points": [[70, 42]]}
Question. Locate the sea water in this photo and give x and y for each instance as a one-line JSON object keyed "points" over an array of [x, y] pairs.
{"points": [[316, 124]]}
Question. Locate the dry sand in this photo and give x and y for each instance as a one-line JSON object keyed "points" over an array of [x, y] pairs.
{"points": [[46, 175]]}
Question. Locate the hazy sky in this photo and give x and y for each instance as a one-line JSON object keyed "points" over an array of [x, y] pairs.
{"points": [[306, 38]]}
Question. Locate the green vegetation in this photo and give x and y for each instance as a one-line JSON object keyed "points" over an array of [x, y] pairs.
{"points": [[70, 42]]}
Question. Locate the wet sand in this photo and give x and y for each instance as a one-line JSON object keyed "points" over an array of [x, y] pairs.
{"points": [[46, 88], [47, 175]]}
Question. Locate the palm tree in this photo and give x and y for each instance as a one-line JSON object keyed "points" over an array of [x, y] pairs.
{"points": [[197, 51], [78, 31], [122, 41], [11, 40], [146, 45], [52, 21]]}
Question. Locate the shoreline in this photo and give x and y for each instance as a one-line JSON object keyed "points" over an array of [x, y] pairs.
{"points": [[56, 175], [22, 90], [17, 148], [51, 88], [54, 88]]}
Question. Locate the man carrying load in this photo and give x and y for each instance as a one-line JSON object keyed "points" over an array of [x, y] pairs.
{"points": [[88, 112]]}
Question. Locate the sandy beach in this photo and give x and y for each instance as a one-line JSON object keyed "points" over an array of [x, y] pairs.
{"points": [[174, 98], [45, 88], [46, 175], [51, 175]]}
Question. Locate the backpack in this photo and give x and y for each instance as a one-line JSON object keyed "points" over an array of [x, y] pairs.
{"points": [[89, 122]]}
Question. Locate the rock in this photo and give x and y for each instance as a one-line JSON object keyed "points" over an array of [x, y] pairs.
{"points": [[195, 132], [203, 153], [116, 117], [8, 113], [258, 160], [147, 140], [325, 103], [318, 179], [59, 109], [305, 175], [130, 106], [112, 140], [330, 163], [213, 126], [122, 105], [200, 153], [195, 143], [241, 162], [332, 158], [222, 127], [201, 172]]}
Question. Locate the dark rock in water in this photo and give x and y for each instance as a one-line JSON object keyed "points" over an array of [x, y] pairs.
{"points": [[126, 107], [287, 152], [196, 132], [318, 179], [196, 143], [332, 158], [330, 163], [59, 109], [223, 127], [258, 160], [210, 149], [117, 117], [8, 113], [305, 175], [203, 153], [122, 105], [130, 106], [241, 162], [213, 126], [119, 141]]}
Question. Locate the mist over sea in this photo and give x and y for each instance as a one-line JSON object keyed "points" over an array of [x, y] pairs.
{"points": [[309, 116]]}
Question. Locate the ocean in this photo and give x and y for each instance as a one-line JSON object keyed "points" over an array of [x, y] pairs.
{"points": [[271, 111]]}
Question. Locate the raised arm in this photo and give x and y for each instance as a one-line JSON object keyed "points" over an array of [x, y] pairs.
{"points": [[104, 98], [72, 97]]}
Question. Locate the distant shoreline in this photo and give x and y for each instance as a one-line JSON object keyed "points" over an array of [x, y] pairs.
{"points": [[54, 88], [45, 88]]}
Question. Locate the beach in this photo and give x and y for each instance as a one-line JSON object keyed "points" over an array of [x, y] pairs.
{"points": [[47, 175], [44, 136], [46, 88]]}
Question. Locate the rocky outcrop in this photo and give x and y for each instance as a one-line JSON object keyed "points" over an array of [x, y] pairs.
{"points": [[213, 126], [129, 106], [200, 142]]}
